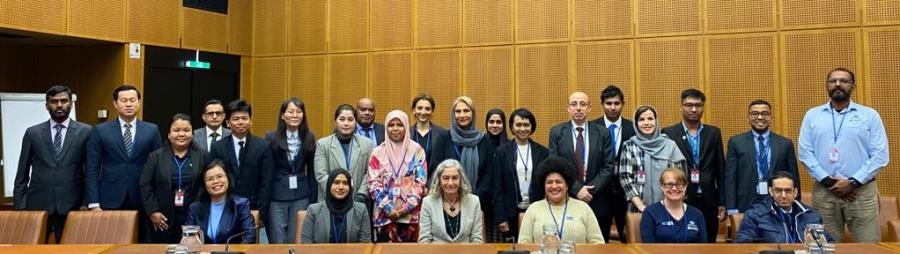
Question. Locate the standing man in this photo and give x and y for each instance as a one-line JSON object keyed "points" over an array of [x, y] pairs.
{"points": [[844, 146], [366, 126], [213, 116], [588, 146], [119, 149], [752, 158], [703, 143], [50, 176], [620, 129], [246, 157]]}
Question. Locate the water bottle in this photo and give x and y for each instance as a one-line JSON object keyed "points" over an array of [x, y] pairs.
{"points": [[815, 241], [550, 243], [567, 247]]}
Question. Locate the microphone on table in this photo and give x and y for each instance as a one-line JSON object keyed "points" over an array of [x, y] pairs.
{"points": [[232, 237], [777, 250], [513, 251]]}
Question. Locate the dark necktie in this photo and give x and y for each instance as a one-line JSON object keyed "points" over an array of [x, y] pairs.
{"points": [[612, 137], [214, 136], [57, 142], [579, 153], [240, 152], [761, 160], [129, 142]]}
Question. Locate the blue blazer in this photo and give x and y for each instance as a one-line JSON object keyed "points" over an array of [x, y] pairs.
{"points": [[111, 175], [236, 218], [282, 169]]}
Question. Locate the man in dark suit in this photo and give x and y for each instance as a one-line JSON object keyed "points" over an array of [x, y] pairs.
{"points": [[366, 126], [247, 158], [50, 175], [753, 156], [702, 145], [116, 154], [620, 130], [213, 116], [588, 146]]}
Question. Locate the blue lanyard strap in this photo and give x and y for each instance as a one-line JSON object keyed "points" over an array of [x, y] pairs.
{"points": [[395, 170], [763, 157], [336, 231], [525, 159], [180, 165], [458, 153], [837, 131], [559, 226], [694, 141]]}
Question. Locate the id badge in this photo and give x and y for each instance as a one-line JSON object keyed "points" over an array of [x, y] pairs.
{"points": [[833, 156], [395, 191], [641, 177], [762, 188], [292, 182], [179, 198], [695, 175]]}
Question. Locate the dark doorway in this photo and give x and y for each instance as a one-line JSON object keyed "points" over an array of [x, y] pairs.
{"points": [[171, 88]]}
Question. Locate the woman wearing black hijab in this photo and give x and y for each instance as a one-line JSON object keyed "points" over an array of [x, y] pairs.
{"points": [[494, 123], [339, 219]]}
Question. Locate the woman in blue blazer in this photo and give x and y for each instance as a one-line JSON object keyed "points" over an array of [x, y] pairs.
{"points": [[219, 213]]}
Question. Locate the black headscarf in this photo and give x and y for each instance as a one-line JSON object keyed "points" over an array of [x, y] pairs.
{"points": [[338, 206], [501, 138]]}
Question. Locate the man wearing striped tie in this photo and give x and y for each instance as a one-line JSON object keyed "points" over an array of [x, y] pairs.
{"points": [[116, 154], [51, 164]]}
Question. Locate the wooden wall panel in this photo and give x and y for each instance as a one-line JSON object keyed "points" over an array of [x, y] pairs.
{"points": [[676, 17], [391, 82], [347, 79], [666, 67], [488, 22], [542, 79], [348, 25], [818, 14], [391, 24], [134, 67], [740, 16], [48, 16], [246, 78], [438, 23], [542, 21], [240, 27], [600, 64], [490, 80], [154, 22], [269, 27], [602, 19], [307, 82], [205, 31], [308, 26], [881, 12], [881, 78], [438, 74], [97, 19], [269, 87]]}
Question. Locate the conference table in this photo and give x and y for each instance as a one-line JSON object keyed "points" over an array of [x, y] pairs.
{"points": [[411, 248]]}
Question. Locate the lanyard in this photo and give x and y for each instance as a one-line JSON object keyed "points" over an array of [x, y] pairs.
{"points": [[694, 141], [427, 138], [346, 151], [641, 161], [837, 131], [525, 159], [458, 153], [180, 165], [395, 171], [336, 231], [560, 226], [763, 157], [786, 223]]}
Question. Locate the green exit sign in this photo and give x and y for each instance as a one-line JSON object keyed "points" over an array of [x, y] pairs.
{"points": [[196, 64]]}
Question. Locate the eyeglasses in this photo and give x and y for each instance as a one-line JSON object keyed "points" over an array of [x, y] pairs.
{"points": [[672, 186], [756, 114], [214, 113], [692, 105], [780, 192], [583, 104], [834, 81]]}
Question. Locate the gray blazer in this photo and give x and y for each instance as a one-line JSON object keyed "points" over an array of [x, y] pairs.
{"points": [[433, 230], [330, 156], [317, 224], [200, 137]]}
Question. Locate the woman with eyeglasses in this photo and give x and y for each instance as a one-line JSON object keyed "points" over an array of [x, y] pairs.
{"points": [[644, 157], [671, 220]]}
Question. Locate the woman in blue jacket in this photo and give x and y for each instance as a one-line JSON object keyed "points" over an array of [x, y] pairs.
{"points": [[671, 220], [219, 213]]}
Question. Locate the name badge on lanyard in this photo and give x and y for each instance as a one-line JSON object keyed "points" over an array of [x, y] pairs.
{"points": [[695, 175], [179, 198], [179, 194], [833, 156], [641, 176], [292, 182], [762, 188]]}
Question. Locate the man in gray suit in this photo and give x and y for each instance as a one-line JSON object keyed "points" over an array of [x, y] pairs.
{"points": [[752, 158], [213, 116], [50, 175]]}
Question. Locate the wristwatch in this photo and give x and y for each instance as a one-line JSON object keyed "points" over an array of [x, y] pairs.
{"points": [[855, 183]]}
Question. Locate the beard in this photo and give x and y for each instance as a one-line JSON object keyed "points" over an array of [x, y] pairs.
{"points": [[839, 95]]}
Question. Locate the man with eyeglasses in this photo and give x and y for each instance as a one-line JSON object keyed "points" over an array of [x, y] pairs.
{"points": [[702, 145], [844, 145], [779, 218], [213, 116], [751, 158]]}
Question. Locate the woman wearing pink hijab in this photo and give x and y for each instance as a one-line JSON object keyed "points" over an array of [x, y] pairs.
{"points": [[396, 180]]}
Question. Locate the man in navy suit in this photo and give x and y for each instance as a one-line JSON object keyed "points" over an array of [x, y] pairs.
{"points": [[366, 126], [620, 130], [50, 176], [116, 154]]}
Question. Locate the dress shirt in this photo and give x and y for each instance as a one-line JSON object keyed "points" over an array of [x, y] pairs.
{"points": [[237, 146], [587, 141], [209, 137], [65, 125], [293, 142], [618, 132]]}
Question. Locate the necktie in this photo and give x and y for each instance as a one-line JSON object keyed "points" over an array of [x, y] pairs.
{"points": [[761, 155], [214, 136], [370, 133], [129, 141], [579, 153], [240, 152], [57, 142], [612, 137]]}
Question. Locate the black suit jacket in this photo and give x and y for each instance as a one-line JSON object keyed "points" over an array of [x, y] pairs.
{"points": [[52, 186], [379, 133], [741, 172], [156, 179], [627, 130], [436, 133], [111, 176], [506, 182], [712, 163], [600, 166], [254, 174], [282, 169]]}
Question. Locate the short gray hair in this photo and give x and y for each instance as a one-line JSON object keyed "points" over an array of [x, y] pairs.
{"points": [[464, 187]]}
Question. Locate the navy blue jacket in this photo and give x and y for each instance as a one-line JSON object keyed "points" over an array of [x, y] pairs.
{"points": [[236, 218], [658, 226], [280, 190], [111, 176], [763, 223]]}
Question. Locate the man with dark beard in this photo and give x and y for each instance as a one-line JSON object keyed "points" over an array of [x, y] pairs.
{"points": [[844, 146]]}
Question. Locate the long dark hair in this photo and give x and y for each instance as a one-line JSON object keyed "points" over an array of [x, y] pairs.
{"points": [[307, 138], [203, 197]]}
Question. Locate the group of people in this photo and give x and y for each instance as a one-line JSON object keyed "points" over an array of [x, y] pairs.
{"points": [[404, 181]]}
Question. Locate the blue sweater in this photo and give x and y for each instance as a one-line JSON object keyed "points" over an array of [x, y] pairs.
{"points": [[658, 226]]}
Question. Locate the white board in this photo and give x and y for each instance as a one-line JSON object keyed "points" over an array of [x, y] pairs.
{"points": [[18, 111]]}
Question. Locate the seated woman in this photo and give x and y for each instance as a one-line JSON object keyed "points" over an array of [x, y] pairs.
{"points": [[450, 212], [671, 220], [219, 213], [573, 219], [339, 219]]}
